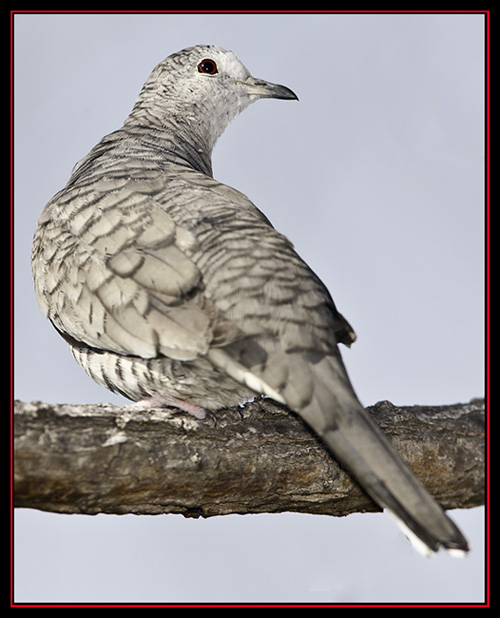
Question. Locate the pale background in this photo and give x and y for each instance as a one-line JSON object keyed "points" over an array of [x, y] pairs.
{"points": [[377, 175]]}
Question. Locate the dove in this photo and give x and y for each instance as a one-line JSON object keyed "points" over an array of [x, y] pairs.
{"points": [[173, 289]]}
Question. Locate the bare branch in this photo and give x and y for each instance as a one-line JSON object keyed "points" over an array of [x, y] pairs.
{"points": [[260, 458]]}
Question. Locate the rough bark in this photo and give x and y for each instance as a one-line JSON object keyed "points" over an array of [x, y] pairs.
{"points": [[260, 458]]}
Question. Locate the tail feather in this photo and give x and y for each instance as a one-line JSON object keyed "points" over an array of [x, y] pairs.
{"points": [[359, 444], [372, 460], [318, 388]]}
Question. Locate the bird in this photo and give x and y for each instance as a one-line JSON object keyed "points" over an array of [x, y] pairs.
{"points": [[173, 289]]}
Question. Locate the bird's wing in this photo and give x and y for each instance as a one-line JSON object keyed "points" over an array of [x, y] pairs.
{"points": [[121, 277], [133, 273]]}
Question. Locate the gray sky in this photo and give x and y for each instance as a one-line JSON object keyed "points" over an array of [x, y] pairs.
{"points": [[377, 176]]}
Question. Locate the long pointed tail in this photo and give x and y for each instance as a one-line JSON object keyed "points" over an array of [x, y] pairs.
{"points": [[318, 388], [359, 445], [366, 452]]}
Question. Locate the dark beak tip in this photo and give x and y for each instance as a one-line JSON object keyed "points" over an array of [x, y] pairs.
{"points": [[283, 92]]}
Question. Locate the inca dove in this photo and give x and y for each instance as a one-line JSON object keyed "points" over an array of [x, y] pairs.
{"points": [[173, 288]]}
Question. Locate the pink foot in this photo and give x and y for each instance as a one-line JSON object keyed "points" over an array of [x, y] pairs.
{"points": [[160, 401]]}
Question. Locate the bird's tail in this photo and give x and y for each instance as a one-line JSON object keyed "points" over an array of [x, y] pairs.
{"points": [[359, 445], [318, 388]]}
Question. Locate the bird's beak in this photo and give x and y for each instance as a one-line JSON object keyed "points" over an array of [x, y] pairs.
{"points": [[266, 90]]}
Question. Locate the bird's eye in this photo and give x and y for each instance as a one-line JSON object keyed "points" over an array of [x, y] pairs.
{"points": [[207, 66]]}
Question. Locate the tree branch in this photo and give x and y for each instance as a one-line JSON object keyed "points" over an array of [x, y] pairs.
{"points": [[260, 458]]}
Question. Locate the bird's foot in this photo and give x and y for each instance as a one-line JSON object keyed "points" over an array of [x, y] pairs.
{"points": [[161, 401]]}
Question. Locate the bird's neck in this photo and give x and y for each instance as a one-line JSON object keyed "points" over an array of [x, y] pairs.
{"points": [[185, 145]]}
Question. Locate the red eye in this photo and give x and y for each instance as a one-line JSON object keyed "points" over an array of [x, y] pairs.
{"points": [[207, 66]]}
